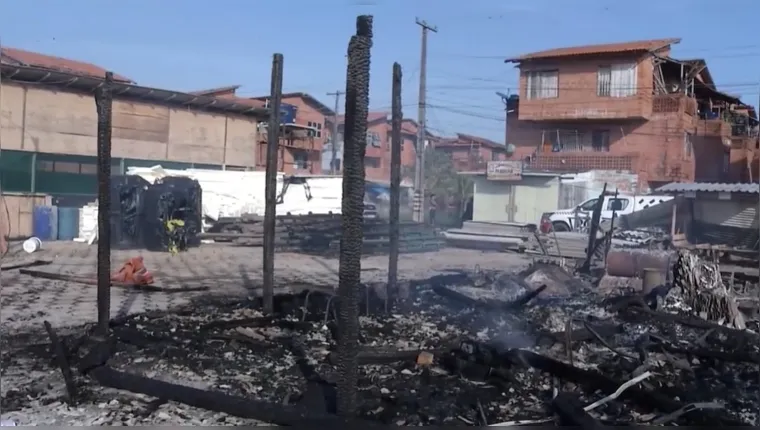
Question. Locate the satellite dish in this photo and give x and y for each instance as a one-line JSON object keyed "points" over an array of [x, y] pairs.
{"points": [[510, 149]]}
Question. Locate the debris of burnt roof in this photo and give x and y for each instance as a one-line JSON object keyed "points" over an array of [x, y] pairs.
{"points": [[467, 348]]}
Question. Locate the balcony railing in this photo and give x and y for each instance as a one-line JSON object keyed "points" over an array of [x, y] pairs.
{"points": [[713, 127], [461, 165], [566, 162], [674, 103]]}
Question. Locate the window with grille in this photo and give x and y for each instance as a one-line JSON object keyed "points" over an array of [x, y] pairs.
{"points": [[603, 81], [687, 145], [373, 139], [301, 159], [600, 140], [542, 85], [619, 80], [372, 162], [317, 129]]}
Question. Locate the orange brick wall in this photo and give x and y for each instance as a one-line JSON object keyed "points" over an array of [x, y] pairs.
{"points": [[657, 146], [577, 96]]}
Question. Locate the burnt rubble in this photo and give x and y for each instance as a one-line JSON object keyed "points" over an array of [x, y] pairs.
{"points": [[465, 348]]}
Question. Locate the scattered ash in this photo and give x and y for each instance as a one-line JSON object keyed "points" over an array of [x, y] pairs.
{"points": [[458, 351]]}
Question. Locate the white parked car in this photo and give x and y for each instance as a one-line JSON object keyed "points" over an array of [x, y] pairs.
{"points": [[567, 219]]}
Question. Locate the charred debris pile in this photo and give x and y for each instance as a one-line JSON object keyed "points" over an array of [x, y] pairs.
{"points": [[321, 233], [467, 348]]}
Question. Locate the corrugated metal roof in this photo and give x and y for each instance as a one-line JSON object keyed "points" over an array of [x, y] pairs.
{"points": [[35, 59], [709, 187], [608, 48]]}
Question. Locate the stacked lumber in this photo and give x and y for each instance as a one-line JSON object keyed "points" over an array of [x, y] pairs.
{"points": [[321, 233], [560, 244]]}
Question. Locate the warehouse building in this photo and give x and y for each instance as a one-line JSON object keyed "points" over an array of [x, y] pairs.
{"points": [[48, 127]]}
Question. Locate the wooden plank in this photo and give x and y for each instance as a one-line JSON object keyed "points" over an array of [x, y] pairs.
{"points": [[136, 121]]}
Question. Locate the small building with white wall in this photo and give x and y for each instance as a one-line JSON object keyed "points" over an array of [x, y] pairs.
{"points": [[507, 193]]}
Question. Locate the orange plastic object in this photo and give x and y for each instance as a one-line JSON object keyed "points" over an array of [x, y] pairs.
{"points": [[133, 272]]}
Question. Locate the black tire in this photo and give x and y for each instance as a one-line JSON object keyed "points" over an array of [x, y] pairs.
{"points": [[560, 226]]}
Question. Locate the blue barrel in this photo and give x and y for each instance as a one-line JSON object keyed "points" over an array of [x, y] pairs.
{"points": [[45, 222], [68, 223]]}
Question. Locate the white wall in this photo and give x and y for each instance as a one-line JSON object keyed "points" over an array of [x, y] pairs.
{"points": [[514, 201]]}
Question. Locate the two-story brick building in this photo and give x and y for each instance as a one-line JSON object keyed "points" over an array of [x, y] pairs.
{"points": [[377, 158], [471, 153], [629, 107], [304, 134]]}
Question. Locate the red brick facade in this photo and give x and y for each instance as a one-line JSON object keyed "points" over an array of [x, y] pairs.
{"points": [[665, 127]]}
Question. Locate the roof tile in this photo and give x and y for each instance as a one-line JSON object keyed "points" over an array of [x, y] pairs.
{"points": [[608, 48], [34, 59]]}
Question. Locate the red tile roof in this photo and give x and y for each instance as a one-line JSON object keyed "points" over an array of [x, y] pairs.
{"points": [[229, 90], [609, 48], [34, 59], [371, 117], [466, 138], [323, 108]]}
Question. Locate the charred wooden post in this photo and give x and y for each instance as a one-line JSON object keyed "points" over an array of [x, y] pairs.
{"points": [[593, 228], [608, 241], [63, 363], [103, 104], [270, 191], [352, 208], [396, 117]]}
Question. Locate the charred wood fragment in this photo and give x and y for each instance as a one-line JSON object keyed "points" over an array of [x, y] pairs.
{"points": [[63, 363], [495, 357], [369, 355], [219, 402], [571, 413], [488, 303]]}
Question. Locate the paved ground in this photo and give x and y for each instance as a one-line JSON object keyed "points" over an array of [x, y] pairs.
{"points": [[227, 270]]}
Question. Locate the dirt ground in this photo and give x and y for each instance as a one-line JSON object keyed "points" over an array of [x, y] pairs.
{"points": [[226, 270]]}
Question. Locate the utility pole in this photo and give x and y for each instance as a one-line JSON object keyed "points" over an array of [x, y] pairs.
{"points": [[419, 171], [334, 140]]}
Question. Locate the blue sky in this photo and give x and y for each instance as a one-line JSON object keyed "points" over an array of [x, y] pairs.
{"points": [[197, 44]]}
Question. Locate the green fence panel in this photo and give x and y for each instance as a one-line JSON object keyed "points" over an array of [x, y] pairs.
{"points": [[16, 171], [66, 174]]}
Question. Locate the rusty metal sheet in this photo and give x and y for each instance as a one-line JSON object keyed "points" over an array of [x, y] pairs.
{"points": [[631, 264]]}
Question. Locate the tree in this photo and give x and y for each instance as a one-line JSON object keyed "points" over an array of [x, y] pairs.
{"points": [[442, 179]]}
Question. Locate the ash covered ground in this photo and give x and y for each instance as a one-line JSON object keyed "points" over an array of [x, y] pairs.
{"points": [[465, 348]]}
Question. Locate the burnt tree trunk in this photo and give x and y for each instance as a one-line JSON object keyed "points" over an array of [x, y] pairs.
{"points": [[352, 208]]}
